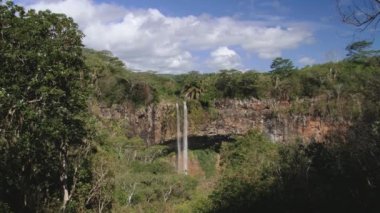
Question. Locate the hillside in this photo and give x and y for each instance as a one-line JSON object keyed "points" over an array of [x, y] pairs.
{"points": [[318, 117], [81, 132]]}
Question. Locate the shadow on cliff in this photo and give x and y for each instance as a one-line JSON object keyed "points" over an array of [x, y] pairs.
{"points": [[202, 142]]}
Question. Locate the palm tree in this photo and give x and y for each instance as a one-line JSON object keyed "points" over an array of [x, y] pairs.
{"points": [[192, 91]]}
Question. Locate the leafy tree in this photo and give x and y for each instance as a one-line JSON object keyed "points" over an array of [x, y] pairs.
{"points": [[249, 166], [248, 84], [260, 176], [112, 83], [142, 93], [358, 48], [227, 82], [42, 108], [281, 72], [282, 67], [360, 51], [235, 84], [192, 88], [192, 92]]}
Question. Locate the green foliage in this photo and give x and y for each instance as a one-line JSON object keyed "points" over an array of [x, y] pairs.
{"points": [[339, 175], [335, 81], [128, 176], [249, 166], [282, 67], [45, 131], [357, 48], [330, 177], [357, 51], [282, 78], [248, 85], [258, 175], [197, 203], [154, 167], [360, 52], [207, 160], [192, 86], [42, 108], [234, 84], [113, 83], [227, 82], [197, 113]]}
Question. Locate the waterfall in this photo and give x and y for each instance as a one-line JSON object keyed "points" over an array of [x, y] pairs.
{"points": [[178, 156], [182, 154], [185, 145]]}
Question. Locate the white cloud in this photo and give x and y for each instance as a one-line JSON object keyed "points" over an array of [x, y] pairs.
{"points": [[307, 61], [148, 39], [224, 58]]}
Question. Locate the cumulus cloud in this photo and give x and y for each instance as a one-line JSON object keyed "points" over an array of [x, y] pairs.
{"points": [[224, 58], [147, 39], [306, 61]]}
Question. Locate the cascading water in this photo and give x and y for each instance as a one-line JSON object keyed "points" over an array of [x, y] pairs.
{"points": [[185, 145], [178, 139]]}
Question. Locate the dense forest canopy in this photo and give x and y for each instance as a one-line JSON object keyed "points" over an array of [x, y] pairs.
{"points": [[43, 108], [58, 153]]}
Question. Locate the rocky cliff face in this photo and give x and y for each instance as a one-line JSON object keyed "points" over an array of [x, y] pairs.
{"points": [[156, 123]]}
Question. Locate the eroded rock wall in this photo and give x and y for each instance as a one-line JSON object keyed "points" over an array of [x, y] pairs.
{"points": [[155, 123]]}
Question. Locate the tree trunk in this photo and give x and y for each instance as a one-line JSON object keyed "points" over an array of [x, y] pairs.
{"points": [[63, 178], [276, 82]]}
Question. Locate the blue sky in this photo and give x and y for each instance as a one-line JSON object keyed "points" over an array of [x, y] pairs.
{"points": [[175, 36]]}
